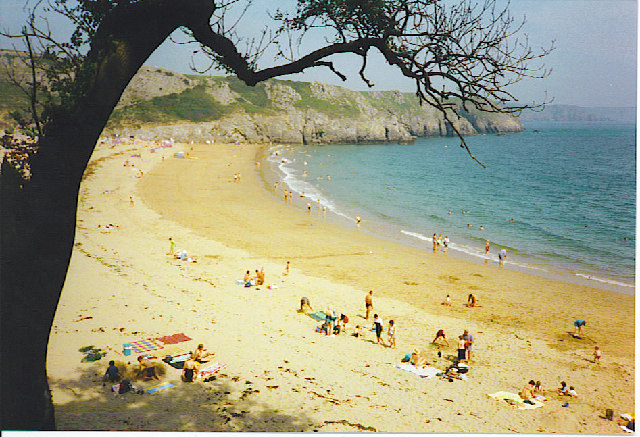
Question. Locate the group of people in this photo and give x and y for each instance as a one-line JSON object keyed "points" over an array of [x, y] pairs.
{"points": [[257, 279], [440, 244], [146, 369]]}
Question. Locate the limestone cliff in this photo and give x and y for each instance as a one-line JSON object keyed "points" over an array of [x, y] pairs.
{"points": [[160, 103]]}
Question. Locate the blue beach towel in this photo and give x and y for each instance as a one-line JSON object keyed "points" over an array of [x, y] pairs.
{"points": [[320, 316], [159, 387]]}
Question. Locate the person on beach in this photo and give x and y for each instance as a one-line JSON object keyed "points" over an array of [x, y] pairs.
{"points": [[468, 339], [247, 279], [305, 305], [368, 303], [445, 244], [172, 246], [527, 390], [417, 359], [537, 389], [259, 276], [434, 239], [502, 256], [358, 332], [440, 336], [190, 369], [200, 354], [113, 373], [439, 243], [563, 388], [330, 319], [287, 267], [461, 349], [308, 208], [571, 392], [472, 301], [146, 368], [286, 195], [447, 301], [596, 355], [391, 332], [486, 251], [578, 324], [358, 221], [377, 325], [343, 322]]}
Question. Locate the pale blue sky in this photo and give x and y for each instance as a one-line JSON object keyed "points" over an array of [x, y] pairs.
{"points": [[594, 64]]}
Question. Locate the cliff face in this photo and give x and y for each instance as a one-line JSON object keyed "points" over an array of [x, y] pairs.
{"points": [[160, 103]]}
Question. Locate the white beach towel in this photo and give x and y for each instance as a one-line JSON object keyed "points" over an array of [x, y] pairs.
{"points": [[425, 372], [520, 403]]}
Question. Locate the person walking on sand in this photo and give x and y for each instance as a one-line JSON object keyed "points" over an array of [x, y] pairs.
{"points": [[172, 246], [596, 355], [368, 304], [377, 325], [391, 332], [434, 239], [502, 255], [287, 267]]}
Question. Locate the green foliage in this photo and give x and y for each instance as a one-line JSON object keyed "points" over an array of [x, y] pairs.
{"points": [[193, 104], [339, 107]]}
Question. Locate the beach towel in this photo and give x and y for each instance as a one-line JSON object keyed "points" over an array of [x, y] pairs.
{"points": [[320, 316], [146, 345], [210, 369], [174, 339], [160, 387], [518, 401], [425, 372]]}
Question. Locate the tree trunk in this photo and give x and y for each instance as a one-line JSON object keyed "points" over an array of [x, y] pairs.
{"points": [[39, 215]]}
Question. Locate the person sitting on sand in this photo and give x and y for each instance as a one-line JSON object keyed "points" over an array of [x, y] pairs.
{"points": [[358, 332], [147, 369], [447, 301], [417, 359], [572, 392], [247, 279], [472, 301], [113, 373], [527, 390], [305, 305], [440, 335], [190, 370], [537, 389], [259, 277], [200, 354], [563, 388]]}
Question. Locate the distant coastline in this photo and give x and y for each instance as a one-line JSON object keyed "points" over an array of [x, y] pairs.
{"points": [[579, 113]]}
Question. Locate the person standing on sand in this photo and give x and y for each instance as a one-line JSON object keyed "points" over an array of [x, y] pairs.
{"points": [[445, 244], [596, 355], [461, 349], [468, 343], [172, 246], [578, 324], [391, 332], [368, 303], [486, 252], [377, 325], [287, 267], [502, 255], [434, 239]]}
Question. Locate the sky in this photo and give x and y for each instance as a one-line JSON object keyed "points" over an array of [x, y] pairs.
{"points": [[594, 62]]}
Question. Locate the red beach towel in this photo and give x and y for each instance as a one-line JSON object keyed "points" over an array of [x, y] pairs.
{"points": [[174, 339]]}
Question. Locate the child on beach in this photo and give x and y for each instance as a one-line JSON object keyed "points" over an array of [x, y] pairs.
{"points": [[113, 373], [440, 335], [391, 332], [596, 355], [447, 301], [377, 325]]}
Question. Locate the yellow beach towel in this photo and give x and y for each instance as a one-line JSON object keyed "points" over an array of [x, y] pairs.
{"points": [[519, 402]]}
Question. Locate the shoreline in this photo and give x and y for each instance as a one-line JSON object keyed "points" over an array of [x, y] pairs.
{"points": [[395, 233], [281, 375]]}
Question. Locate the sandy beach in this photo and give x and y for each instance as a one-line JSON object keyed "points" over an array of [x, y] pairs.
{"points": [[281, 375]]}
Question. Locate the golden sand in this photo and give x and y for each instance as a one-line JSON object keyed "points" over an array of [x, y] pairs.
{"points": [[281, 375]]}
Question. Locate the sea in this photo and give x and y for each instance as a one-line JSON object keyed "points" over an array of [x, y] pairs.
{"points": [[560, 196]]}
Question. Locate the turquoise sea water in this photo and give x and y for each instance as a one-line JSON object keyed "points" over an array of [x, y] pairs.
{"points": [[560, 196]]}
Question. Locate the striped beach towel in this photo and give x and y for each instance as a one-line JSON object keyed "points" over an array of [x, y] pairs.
{"points": [[146, 345], [211, 369], [159, 387]]}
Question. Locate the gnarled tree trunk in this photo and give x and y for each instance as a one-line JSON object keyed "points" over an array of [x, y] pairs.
{"points": [[39, 215]]}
